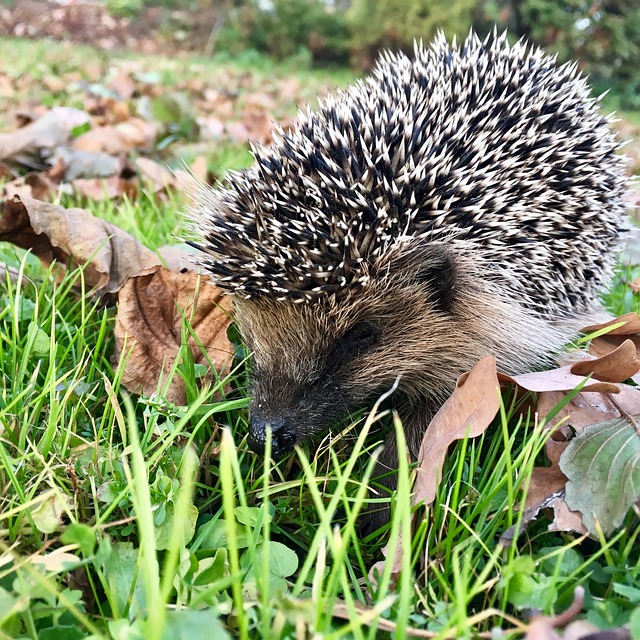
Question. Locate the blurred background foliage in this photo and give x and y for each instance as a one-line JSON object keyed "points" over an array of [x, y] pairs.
{"points": [[603, 35]]}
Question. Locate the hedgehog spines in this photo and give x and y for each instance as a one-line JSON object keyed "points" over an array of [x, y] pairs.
{"points": [[493, 141]]}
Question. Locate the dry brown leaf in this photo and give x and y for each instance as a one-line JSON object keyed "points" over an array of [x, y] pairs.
{"points": [[541, 628], [105, 139], [211, 129], [101, 188], [47, 132], [560, 379], [555, 448], [155, 174], [54, 84], [634, 285], [605, 344], [200, 169], [123, 85], [602, 345], [546, 491], [137, 133], [74, 235], [237, 131], [32, 185], [116, 111], [259, 125], [544, 482], [631, 325], [177, 258], [588, 408], [564, 519], [616, 366], [148, 328], [469, 411]]}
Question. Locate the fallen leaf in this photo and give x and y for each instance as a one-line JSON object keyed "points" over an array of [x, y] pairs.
{"points": [[616, 366], [148, 328], [237, 131], [211, 128], [560, 379], [602, 345], [468, 412], [86, 164], [107, 139], [154, 173], [58, 560], [32, 185], [73, 235], [47, 132], [259, 125], [603, 467], [589, 408], [102, 188], [542, 627], [123, 85], [547, 491], [49, 513], [630, 325], [634, 285], [137, 133], [199, 168], [544, 482], [178, 258], [116, 111]]}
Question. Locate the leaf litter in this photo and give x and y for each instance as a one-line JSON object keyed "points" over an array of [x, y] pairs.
{"points": [[152, 302], [593, 479]]}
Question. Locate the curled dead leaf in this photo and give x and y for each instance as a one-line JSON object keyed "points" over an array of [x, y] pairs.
{"points": [[560, 379], [616, 366], [55, 561], [630, 325], [47, 132], [546, 490], [75, 236], [634, 285], [469, 411], [155, 175], [151, 307]]}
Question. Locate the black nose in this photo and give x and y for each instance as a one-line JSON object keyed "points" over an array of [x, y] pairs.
{"points": [[283, 435]]}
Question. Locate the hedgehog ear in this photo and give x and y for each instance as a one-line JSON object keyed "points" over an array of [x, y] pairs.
{"points": [[436, 269]]}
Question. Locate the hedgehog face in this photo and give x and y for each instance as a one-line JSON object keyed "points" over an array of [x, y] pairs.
{"points": [[315, 363]]}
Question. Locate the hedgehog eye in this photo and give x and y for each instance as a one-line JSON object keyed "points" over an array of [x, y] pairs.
{"points": [[356, 340]]}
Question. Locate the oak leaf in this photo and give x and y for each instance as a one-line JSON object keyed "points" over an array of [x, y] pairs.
{"points": [[468, 412], [74, 236], [148, 332]]}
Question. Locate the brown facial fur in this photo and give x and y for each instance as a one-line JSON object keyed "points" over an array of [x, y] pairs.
{"points": [[307, 377]]}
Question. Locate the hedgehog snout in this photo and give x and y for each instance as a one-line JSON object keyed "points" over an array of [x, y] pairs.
{"points": [[283, 435]]}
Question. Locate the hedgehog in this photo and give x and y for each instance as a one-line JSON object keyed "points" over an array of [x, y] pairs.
{"points": [[464, 201]]}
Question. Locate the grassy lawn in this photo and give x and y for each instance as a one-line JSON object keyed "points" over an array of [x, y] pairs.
{"points": [[129, 518]]}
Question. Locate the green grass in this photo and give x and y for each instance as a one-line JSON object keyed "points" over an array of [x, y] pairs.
{"points": [[242, 544], [157, 522]]}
